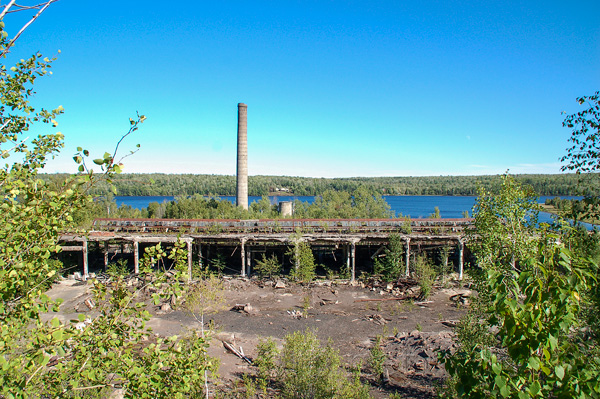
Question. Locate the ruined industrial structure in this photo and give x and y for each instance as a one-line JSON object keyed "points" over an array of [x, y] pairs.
{"points": [[345, 245], [242, 157]]}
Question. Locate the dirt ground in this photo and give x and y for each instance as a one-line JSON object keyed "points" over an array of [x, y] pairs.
{"points": [[351, 315]]}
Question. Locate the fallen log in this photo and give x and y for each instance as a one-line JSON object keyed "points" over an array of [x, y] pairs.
{"points": [[232, 349], [385, 299]]}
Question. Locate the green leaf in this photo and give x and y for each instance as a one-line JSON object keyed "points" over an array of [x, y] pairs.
{"points": [[535, 388], [534, 363], [559, 371], [99, 161]]}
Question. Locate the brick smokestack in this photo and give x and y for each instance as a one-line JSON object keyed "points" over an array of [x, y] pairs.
{"points": [[242, 157]]}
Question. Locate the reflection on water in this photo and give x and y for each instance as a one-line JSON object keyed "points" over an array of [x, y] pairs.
{"points": [[415, 206]]}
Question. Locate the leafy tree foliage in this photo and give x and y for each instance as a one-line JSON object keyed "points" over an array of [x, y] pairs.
{"points": [[529, 332], [306, 369], [583, 156], [88, 356], [362, 203], [391, 265], [536, 353], [268, 266], [505, 222], [188, 184], [303, 260]]}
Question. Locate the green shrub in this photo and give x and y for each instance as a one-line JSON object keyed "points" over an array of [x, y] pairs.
{"points": [[266, 363], [425, 274], [377, 357], [391, 265], [267, 266], [218, 263], [118, 269], [303, 261], [306, 369], [539, 349]]}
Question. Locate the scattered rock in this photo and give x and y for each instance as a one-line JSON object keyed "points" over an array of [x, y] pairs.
{"points": [[413, 292], [296, 314], [450, 323], [245, 308], [117, 394], [279, 284], [89, 303], [377, 319], [327, 301], [415, 354], [165, 307], [461, 298]]}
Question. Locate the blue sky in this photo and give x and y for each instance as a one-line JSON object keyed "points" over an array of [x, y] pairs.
{"points": [[334, 88]]}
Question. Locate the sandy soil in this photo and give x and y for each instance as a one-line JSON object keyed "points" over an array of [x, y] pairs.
{"points": [[350, 315]]}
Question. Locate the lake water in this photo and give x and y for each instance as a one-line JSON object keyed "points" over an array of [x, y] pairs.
{"points": [[415, 206]]}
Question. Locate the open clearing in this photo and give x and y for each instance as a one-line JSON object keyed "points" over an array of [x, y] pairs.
{"points": [[351, 315]]}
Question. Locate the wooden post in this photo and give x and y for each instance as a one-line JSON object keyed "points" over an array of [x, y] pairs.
{"points": [[85, 258], [189, 249], [353, 260], [461, 246], [243, 254], [407, 257], [136, 257]]}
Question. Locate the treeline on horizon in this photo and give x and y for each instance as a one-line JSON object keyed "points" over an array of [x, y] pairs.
{"points": [[189, 184]]}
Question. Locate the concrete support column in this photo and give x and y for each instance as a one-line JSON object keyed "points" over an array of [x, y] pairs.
{"points": [[189, 250], [199, 256], [85, 258], [243, 253], [407, 253], [348, 257], [136, 257], [249, 262], [105, 254], [353, 260], [461, 247], [297, 255]]}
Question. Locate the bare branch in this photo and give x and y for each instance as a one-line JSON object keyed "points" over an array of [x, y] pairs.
{"points": [[23, 8], [8, 6], [12, 42]]}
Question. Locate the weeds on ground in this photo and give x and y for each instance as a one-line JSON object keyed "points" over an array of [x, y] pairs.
{"points": [[377, 358], [306, 369], [390, 265], [218, 263], [305, 305], [425, 275], [268, 266], [118, 268], [303, 261]]}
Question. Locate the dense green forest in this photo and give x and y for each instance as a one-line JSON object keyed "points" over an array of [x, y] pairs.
{"points": [[361, 203], [188, 184]]}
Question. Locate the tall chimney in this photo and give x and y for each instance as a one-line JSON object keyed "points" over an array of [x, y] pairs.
{"points": [[242, 157]]}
